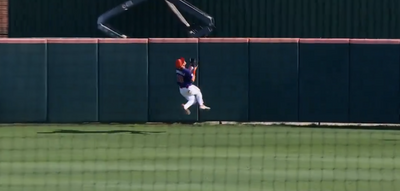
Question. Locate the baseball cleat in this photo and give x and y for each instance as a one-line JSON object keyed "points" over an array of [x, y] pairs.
{"points": [[204, 107], [187, 111]]}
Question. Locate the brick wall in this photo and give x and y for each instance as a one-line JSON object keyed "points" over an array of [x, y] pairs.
{"points": [[3, 18]]}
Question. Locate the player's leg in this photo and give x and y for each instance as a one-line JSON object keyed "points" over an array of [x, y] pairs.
{"points": [[190, 102], [191, 99], [199, 96]]}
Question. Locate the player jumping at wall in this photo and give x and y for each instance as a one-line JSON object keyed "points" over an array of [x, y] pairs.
{"points": [[185, 79]]}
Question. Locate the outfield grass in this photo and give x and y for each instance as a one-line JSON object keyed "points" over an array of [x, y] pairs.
{"points": [[194, 158]]}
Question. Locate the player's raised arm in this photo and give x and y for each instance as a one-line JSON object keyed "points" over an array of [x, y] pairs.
{"points": [[193, 68], [193, 72]]}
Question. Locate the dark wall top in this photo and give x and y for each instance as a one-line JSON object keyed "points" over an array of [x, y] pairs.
{"points": [[234, 18]]}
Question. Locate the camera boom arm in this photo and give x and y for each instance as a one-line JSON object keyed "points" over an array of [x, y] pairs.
{"points": [[195, 32]]}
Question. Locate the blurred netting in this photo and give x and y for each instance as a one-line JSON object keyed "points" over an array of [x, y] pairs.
{"points": [[197, 158]]}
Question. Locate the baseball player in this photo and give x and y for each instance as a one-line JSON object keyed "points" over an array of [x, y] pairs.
{"points": [[185, 78]]}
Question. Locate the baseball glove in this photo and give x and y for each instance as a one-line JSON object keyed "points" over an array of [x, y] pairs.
{"points": [[193, 62]]}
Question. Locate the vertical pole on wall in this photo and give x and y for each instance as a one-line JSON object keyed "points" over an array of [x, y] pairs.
{"points": [[97, 81], [46, 62]]}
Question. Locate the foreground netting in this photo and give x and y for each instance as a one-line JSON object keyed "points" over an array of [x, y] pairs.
{"points": [[197, 158]]}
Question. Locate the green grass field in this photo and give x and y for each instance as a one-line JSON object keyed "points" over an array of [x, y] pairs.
{"points": [[197, 158]]}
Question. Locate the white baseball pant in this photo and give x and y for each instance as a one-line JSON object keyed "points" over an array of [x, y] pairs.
{"points": [[192, 94]]}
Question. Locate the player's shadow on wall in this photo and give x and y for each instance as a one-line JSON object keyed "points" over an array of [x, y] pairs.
{"points": [[102, 132]]}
